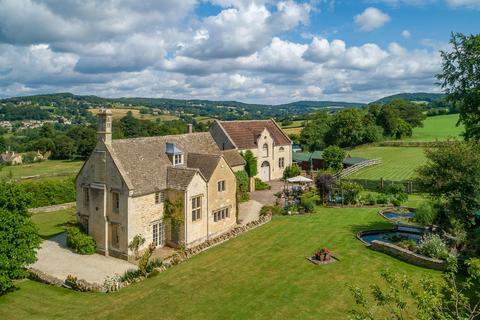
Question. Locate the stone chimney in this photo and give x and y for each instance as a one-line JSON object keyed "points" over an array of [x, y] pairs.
{"points": [[190, 128], [104, 132]]}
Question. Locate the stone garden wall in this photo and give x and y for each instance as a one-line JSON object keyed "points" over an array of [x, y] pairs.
{"points": [[408, 256]]}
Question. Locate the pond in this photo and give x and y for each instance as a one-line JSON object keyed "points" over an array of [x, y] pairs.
{"points": [[393, 215], [391, 236]]}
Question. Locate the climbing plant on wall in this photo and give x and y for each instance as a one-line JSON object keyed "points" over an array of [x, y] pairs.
{"points": [[174, 211]]}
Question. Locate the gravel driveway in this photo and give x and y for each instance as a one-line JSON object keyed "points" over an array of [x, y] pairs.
{"points": [[55, 259]]}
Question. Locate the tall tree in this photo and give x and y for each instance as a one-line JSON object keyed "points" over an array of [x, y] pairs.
{"points": [[333, 157], [346, 128], [460, 79], [313, 134], [452, 175], [18, 235]]}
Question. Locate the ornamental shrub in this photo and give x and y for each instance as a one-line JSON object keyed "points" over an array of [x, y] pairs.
{"points": [[350, 191], [370, 199], [425, 214], [260, 185], [79, 241], [433, 246], [242, 186], [291, 171]]}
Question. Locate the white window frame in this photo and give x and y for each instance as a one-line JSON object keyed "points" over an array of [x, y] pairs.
{"points": [[281, 162], [196, 208], [159, 197], [177, 159], [158, 234], [265, 150]]}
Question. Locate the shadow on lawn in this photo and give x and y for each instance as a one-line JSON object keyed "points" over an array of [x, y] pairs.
{"points": [[371, 226]]}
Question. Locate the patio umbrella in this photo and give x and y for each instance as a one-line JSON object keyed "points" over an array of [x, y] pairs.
{"points": [[299, 179]]}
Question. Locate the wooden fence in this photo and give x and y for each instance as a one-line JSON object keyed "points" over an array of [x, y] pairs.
{"points": [[356, 167]]}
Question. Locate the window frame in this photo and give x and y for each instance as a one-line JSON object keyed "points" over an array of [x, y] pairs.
{"points": [[115, 202], [222, 186], [281, 162], [221, 214], [265, 149], [180, 159], [159, 197], [196, 203]]}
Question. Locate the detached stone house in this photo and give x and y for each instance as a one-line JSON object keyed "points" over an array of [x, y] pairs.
{"points": [[123, 188], [11, 158], [267, 141]]}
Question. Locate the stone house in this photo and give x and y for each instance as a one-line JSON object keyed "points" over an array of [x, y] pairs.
{"points": [[126, 186], [267, 141], [11, 158]]}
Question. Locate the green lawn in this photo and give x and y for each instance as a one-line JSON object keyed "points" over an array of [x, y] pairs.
{"points": [[438, 128], [52, 223], [262, 274], [43, 169], [398, 163]]}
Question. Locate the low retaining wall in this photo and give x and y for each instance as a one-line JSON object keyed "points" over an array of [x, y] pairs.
{"points": [[408, 256], [56, 207], [113, 283]]}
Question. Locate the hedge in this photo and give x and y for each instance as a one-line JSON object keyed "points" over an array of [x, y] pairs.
{"points": [[79, 241], [47, 192]]}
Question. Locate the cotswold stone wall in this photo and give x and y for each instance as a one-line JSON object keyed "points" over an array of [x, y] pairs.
{"points": [[408, 256]]}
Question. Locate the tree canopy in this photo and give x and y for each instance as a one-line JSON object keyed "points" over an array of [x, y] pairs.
{"points": [[460, 80]]}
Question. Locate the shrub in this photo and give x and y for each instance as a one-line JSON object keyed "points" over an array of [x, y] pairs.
{"points": [[260, 185], [273, 210], [144, 260], [242, 186], [308, 200], [350, 191], [156, 263], [291, 171], [433, 246], [398, 191], [79, 241], [425, 214], [291, 208], [370, 199], [130, 275], [408, 244], [383, 199]]}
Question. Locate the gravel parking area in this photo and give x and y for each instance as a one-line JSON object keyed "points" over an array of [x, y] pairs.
{"points": [[55, 259]]}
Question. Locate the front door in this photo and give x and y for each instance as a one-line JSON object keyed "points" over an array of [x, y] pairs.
{"points": [[158, 235], [265, 171]]}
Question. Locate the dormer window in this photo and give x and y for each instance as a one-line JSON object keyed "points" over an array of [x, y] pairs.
{"points": [[174, 154]]}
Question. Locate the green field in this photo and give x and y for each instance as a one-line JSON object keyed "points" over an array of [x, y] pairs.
{"points": [[438, 128], [398, 163], [262, 274], [47, 168], [52, 223]]}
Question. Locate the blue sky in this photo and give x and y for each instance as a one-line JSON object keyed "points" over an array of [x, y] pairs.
{"points": [[247, 50]]}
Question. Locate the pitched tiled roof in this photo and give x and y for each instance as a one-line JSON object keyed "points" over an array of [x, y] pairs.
{"points": [[179, 178], [233, 158], [206, 163], [245, 133], [144, 162]]}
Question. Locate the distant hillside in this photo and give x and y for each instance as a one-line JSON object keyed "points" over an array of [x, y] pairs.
{"points": [[324, 104], [416, 96]]}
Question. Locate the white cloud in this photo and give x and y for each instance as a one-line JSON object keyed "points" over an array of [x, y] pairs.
{"points": [[371, 19], [406, 34], [464, 3]]}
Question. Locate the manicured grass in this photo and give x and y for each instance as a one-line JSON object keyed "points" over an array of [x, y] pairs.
{"points": [[438, 128], [52, 223], [398, 163], [262, 274], [45, 168]]}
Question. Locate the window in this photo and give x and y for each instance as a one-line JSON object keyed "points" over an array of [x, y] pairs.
{"points": [[196, 208], [159, 197], [221, 186], [281, 162], [86, 197], [281, 149], [158, 234], [265, 150], [177, 159], [115, 202], [221, 214]]}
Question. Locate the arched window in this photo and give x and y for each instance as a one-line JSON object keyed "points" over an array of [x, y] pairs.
{"points": [[265, 150], [281, 149]]}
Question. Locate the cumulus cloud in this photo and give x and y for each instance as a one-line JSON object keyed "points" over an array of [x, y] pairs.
{"points": [[163, 49], [371, 19]]}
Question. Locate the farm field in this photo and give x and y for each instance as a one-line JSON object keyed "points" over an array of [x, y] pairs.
{"points": [[118, 113], [47, 168], [262, 274], [398, 163], [52, 223], [438, 128]]}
